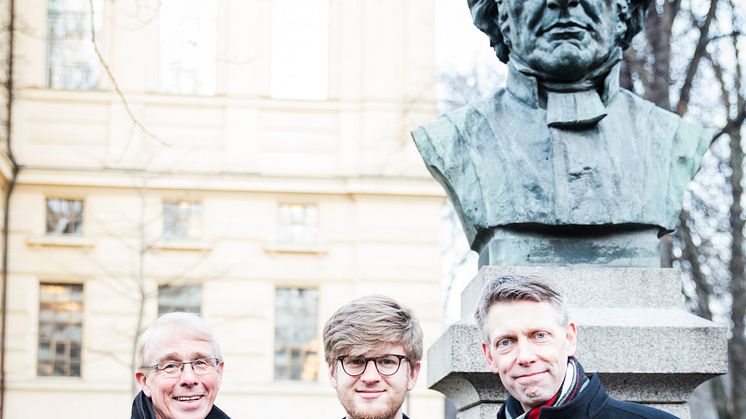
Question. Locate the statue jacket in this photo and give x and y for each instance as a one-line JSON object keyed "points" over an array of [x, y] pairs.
{"points": [[502, 164]]}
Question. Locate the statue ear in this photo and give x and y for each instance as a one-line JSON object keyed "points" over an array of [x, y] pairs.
{"points": [[486, 18]]}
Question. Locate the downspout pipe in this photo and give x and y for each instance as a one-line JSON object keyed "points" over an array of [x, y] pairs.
{"points": [[15, 168]]}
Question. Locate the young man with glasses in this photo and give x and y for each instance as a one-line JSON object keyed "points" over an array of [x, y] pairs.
{"points": [[373, 347], [179, 370]]}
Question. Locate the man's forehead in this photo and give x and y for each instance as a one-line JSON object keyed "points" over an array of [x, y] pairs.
{"points": [[522, 311], [380, 349], [173, 343]]}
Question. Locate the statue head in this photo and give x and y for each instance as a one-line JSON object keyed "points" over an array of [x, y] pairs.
{"points": [[561, 39]]}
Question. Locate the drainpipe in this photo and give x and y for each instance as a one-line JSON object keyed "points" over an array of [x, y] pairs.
{"points": [[15, 168]]}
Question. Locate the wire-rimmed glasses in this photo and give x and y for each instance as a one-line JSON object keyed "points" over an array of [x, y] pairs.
{"points": [[173, 368]]}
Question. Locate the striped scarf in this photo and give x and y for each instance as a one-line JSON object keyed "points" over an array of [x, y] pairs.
{"points": [[575, 382]]}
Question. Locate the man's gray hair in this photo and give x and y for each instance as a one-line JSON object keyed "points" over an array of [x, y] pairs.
{"points": [[369, 322], [488, 17], [513, 288], [187, 325]]}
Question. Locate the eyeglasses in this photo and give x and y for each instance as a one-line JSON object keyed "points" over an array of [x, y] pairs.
{"points": [[174, 368], [385, 364]]}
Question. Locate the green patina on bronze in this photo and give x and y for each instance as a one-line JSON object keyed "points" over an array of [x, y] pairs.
{"points": [[563, 166]]}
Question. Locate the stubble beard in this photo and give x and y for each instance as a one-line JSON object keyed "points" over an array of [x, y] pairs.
{"points": [[361, 412]]}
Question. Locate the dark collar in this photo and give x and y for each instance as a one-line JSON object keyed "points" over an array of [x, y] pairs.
{"points": [[590, 401], [142, 408], [525, 88]]}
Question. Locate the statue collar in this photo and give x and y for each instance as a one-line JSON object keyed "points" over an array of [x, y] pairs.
{"points": [[570, 106]]}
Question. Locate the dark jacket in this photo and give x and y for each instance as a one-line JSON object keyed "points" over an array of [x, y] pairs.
{"points": [[594, 403], [142, 408]]}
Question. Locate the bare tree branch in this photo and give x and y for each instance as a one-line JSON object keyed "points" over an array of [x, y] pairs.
{"points": [[117, 89], [683, 104]]}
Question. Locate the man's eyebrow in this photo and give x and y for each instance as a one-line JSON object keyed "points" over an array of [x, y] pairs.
{"points": [[173, 356]]}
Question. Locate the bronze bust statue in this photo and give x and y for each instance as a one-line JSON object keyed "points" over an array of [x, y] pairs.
{"points": [[562, 165]]}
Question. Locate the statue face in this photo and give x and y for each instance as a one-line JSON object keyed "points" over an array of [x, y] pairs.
{"points": [[564, 39]]}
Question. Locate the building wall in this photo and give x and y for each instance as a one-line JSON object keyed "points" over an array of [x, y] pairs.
{"points": [[241, 154]]}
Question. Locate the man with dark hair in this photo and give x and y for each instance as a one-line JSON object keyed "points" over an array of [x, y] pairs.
{"points": [[373, 347], [529, 341]]}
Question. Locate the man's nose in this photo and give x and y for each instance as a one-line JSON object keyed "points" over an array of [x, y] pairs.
{"points": [[562, 4], [371, 372], [187, 376], [526, 352]]}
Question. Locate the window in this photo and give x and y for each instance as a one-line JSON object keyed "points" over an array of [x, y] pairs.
{"points": [[182, 220], [300, 49], [186, 298], [298, 224], [71, 58], [64, 217], [296, 339], [60, 329], [188, 46]]}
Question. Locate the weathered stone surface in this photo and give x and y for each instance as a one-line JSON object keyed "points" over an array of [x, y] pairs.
{"points": [[586, 287]]}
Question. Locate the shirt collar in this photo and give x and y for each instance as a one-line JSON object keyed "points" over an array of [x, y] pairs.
{"points": [[525, 88]]}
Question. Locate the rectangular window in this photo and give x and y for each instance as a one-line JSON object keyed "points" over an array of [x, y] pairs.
{"points": [[188, 46], [298, 224], [60, 330], [64, 217], [71, 58], [182, 220], [300, 49], [296, 335], [186, 298]]}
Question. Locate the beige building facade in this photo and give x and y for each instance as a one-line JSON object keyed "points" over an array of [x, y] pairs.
{"points": [[248, 160]]}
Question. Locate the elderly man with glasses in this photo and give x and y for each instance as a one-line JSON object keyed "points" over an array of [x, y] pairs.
{"points": [[179, 370], [373, 347]]}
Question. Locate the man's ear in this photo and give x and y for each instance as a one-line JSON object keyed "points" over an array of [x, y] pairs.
{"points": [[332, 375], [571, 340], [142, 380], [488, 356], [220, 372], [414, 372]]}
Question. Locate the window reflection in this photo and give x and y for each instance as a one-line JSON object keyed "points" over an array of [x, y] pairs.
{"points": [[60, 330], [296, 334]]}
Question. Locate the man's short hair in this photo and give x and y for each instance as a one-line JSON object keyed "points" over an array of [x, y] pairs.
{"points": [[369, 322], [187, 325], [487, 17], [513, 288]]}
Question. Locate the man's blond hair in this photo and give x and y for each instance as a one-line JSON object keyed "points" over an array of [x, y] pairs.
{"points": [[367, 323]]}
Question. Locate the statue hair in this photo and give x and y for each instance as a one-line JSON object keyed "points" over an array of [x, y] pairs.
{"points": [[489, 19]]}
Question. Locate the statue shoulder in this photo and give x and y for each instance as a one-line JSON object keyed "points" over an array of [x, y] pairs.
{"points": [[454, 125]]}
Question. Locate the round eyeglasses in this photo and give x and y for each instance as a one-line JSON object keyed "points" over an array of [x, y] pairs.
{"points": [[174, 368], [385, 364]]}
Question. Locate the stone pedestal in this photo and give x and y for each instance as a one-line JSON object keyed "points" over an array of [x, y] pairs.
{"points": [[633, 329]]}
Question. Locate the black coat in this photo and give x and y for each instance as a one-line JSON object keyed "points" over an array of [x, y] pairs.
{"points": [[594, 403], [142, 408]]}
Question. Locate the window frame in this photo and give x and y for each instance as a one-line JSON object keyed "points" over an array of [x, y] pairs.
{"points": [[79, 47], [52, 350], [308, 350], [192, 225], [199, 291], [78, 231]]}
